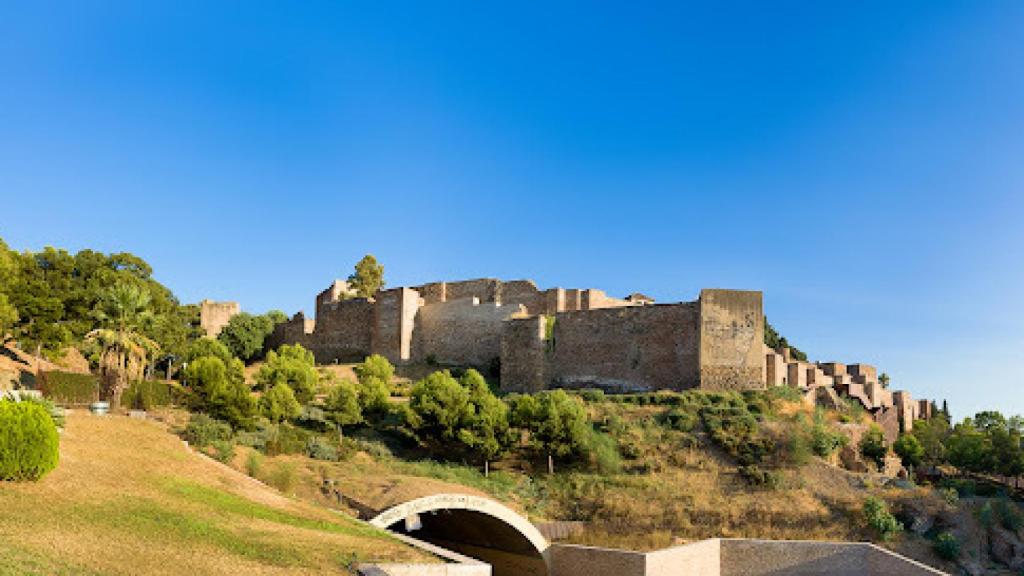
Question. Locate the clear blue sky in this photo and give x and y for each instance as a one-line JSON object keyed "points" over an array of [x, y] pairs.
{"points": [[860, 162]]}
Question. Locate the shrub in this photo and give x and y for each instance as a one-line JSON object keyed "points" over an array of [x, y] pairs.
{"points": [[202, 431], [223, 451], [282, 477], [28, 441], [292, 365], [947, 546], [285, 439], [148, 394], [279, 403], [592, 394], [950, 495], [604, 453], [986, 515], [70, 387], [681, 419], [1009, 514], [374, 376], [872, 446], [253, 464], [877, 514], [219, 390], [56, 413], [320, 449]]}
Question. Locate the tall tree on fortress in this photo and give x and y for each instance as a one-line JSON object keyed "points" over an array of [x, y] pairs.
{"points": [[125, 310], [368, 277]]}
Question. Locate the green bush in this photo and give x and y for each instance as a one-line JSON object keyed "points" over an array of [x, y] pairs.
{"points": [[319, 449], [947, 546], [681, 419], [253, 464], [285, 439], [223, 450], [592, 394], [282, 477], [56, 413], [1010, 515], [202, 431], [877, 514], [149, 394], [950, 495], [28, 441], [70, 387]]}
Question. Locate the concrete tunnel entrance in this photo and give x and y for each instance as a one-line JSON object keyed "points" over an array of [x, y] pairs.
{"points": [[473, 526]]}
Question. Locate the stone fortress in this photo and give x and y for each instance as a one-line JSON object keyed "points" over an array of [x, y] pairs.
{"points": [[578, 338]]}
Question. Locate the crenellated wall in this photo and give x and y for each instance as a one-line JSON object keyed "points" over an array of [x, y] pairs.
{"points": [[462, 332]]}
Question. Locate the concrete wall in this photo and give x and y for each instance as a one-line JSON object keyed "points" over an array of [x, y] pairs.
{"points": [[704, 557], [214, 316], [727, 557], [568, 560], [463, 332], [630, 348], [731, 339]]}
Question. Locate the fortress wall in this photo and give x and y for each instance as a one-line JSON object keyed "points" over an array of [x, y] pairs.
{"points": [[775, 372], [344, 331], [214, 316], [796, 374], [461, 332], [394, 319], [434, 292], [524, 355], [594, 299], [554, 301], [523, 292], [630, 348], [486, 289], [731, 338], [296, 330], [862, 372], [573, 299]]}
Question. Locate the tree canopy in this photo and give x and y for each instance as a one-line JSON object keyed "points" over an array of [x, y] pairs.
{"points": [[367, 278], [293, 365], [245, 334]]}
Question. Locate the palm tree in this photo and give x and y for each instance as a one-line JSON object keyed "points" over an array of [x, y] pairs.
{"points": [[124, 310]]}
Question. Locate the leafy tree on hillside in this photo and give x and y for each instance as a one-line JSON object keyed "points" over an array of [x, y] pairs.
{"points": [[487, 432], [872, 446], [441, 405], [932, 435], [374, 374], [244, 334], [343, 406], [293, 365], [217, 389], [557, 422], [125, 308], [8, 316], [910, 451], [279, 403], [206, 346], [368, 277]]}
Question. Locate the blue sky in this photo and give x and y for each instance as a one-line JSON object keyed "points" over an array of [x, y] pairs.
{"points": [[860, 162]]}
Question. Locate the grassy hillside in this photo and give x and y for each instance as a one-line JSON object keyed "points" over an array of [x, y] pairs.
{"points": [[129, 498]]}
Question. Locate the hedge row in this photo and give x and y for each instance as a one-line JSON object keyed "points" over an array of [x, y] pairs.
{"points": [[148, 394], [28, 441], [70, 387]]}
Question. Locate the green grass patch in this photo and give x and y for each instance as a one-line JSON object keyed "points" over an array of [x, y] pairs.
{"points": [[18, 561], [226, 502]]}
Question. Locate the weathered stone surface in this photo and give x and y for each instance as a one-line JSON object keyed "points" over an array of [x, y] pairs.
{"points": [[214, 316]]}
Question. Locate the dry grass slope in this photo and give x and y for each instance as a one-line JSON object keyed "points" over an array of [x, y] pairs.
{"points": [[129, 498]]}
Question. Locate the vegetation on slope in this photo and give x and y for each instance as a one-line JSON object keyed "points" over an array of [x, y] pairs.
{"points": [[128, 498]]}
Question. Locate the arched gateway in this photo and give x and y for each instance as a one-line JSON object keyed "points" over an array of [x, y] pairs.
{"points": [[475, 526]]}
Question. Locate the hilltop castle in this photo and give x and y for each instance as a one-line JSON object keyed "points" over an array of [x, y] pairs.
{"points": [[576, 338]]}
